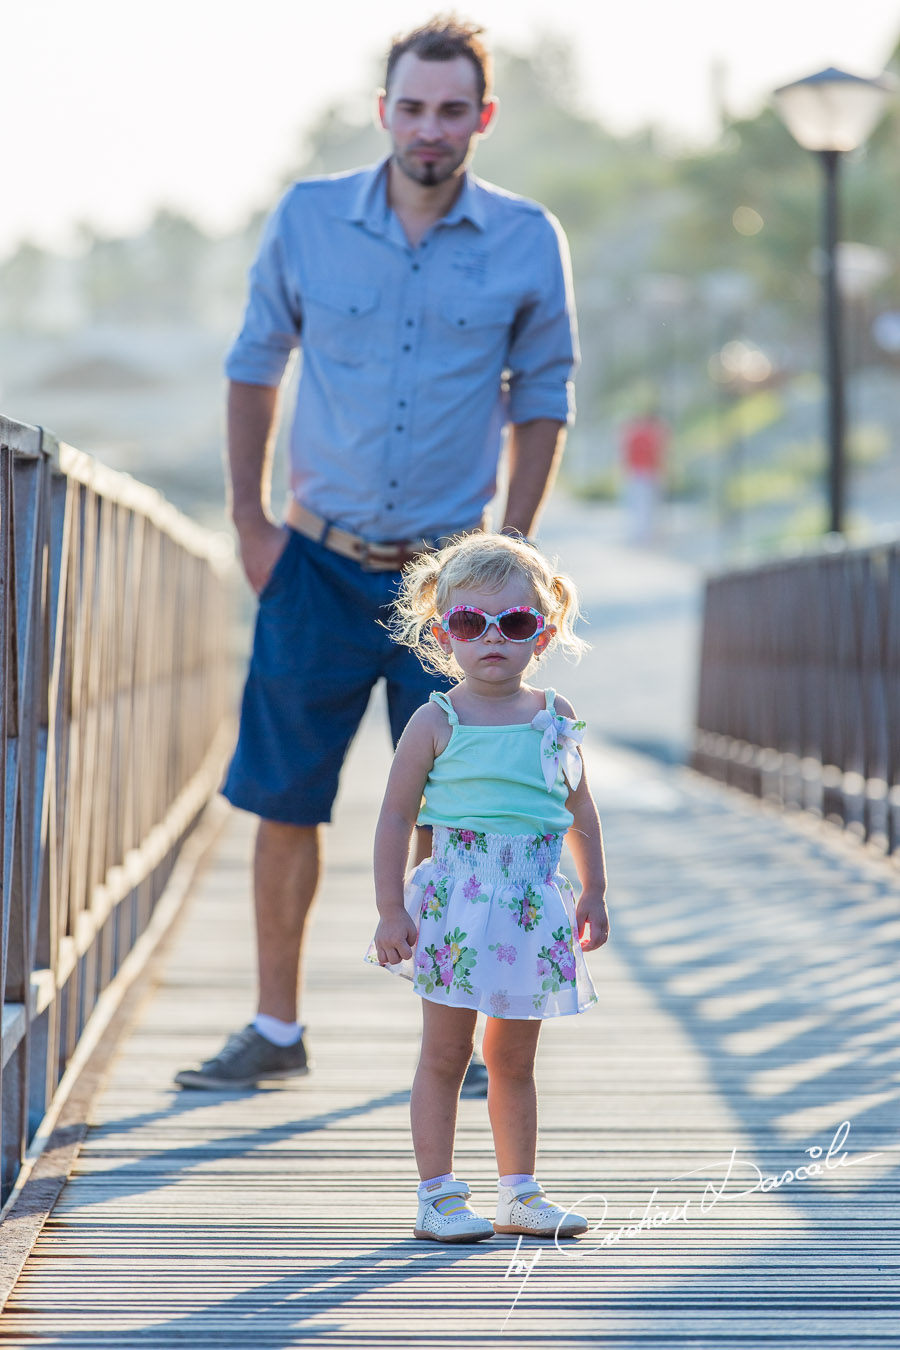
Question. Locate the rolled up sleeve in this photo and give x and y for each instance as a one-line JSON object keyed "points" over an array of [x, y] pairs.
{"points": [[543, 354], [272, 319]]}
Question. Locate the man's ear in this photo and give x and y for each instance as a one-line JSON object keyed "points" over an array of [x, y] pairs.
{"points": [[488, 116], [380, 108]]}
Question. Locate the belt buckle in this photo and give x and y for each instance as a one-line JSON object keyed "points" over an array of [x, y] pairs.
{"points": [[390, 555], [372, 560]]}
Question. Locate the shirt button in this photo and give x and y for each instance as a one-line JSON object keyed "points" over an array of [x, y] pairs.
{"points": [[407, 347], [393, 483], [399, 426], [461, 322], [390, 506], [410, 323], [415, 267], [402, 403]]}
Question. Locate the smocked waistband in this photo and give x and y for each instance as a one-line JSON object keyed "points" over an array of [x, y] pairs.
{"points": [[496, 857]]}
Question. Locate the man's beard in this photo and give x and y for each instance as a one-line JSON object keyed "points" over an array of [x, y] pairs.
{"points": [[428, 172]]}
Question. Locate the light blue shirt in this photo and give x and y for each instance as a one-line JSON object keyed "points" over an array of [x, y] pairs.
{"points": [[413, 359]]}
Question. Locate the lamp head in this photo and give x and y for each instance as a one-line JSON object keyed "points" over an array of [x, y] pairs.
{"points": [[833, 110]]}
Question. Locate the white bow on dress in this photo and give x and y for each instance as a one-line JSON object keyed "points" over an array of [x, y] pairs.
{"points": [[559, 747]]}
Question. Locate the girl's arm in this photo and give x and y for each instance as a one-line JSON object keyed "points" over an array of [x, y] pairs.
{"points": [[585, 841], [413, 760]]}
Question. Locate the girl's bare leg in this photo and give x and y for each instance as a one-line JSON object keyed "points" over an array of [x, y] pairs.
{"points": [[509, 1051], [447, 1038]]}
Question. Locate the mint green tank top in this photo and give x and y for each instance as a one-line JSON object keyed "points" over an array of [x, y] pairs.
{"points": [[490, 778]]}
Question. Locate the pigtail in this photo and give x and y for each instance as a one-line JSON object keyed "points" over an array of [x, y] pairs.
{"points": [[415, 609], [566, 613]]}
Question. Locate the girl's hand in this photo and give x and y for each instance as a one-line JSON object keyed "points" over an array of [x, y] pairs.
{"points": [[395, 938], [590, 912]]}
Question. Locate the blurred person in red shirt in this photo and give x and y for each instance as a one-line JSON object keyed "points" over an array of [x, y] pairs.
{"points": [[644, 443]]}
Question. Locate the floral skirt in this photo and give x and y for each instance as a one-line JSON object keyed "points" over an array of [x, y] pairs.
{"points": [[496, 927]]}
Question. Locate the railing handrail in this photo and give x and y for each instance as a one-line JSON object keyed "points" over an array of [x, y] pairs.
{"points": [[113, 726], [828, 546], [120, 487]]}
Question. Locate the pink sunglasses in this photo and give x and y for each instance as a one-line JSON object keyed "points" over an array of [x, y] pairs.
{"points": [[465, 623]]}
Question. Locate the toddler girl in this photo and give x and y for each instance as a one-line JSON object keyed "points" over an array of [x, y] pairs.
{"points": [[488, 923]]}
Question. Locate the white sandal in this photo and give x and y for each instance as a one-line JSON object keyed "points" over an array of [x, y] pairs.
{"points": [[450, 1223], [524, 1209]]}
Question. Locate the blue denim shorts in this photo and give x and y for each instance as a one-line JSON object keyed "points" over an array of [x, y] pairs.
{"points": [[318, 649]]}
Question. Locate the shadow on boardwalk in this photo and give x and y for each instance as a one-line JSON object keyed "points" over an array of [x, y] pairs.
{"points": [[749, 1001], [775, 950], [750, 1004]]}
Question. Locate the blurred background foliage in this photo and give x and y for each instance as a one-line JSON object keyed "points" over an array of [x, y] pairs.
{"points": [[698, 294]]}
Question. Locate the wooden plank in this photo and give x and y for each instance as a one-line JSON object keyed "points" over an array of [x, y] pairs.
{"points": [[748, 1002]]}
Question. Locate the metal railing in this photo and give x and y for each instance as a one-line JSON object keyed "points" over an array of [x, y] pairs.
{"points": [[799, 698], [113, 727]]}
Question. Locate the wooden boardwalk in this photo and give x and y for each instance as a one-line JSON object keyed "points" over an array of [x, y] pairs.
{"points": [[749, 1001]]}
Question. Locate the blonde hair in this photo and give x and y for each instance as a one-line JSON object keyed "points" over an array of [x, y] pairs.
{"points": [[480, 562]]}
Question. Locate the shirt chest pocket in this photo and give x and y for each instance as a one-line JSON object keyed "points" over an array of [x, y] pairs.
{"points": [[342, 320], [475, 331]]}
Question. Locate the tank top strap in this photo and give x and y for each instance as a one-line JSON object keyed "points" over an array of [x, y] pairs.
{"points": [[443, 701], [550, 695]]}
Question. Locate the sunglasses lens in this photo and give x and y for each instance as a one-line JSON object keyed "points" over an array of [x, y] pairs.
{"points": [[519, 627], [465, 625]]}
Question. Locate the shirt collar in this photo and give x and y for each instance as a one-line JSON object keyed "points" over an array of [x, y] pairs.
{"points": [[369, 206], [468, 205]]}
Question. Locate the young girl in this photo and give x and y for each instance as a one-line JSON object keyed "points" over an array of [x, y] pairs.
{"points": [[488, 923]]}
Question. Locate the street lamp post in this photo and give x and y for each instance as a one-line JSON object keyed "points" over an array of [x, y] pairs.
{"points": [[831, 113]]}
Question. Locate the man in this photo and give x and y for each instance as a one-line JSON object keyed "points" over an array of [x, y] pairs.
{"points": [[431, 309]]}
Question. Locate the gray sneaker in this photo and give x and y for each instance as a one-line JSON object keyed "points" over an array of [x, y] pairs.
{"points": [[246, 1059]]}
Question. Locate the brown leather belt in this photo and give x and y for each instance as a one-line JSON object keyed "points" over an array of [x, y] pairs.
{"points": [[390, 556]]}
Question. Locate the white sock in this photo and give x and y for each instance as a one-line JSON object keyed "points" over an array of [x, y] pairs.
{"points": [[432, 1183], [276, 1031], [516, 1179]]}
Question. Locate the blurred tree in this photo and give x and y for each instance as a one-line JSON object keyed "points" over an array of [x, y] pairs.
{"points": [[157, 275], [112, 284], [22, 278], [753, 203], [175, 254]]}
